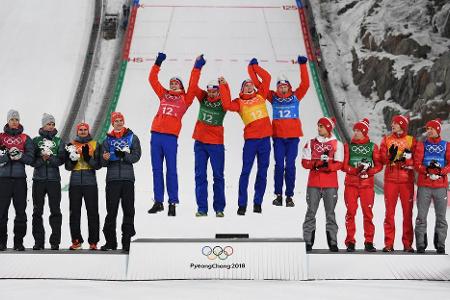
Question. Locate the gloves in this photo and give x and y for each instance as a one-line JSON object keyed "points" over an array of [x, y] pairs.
{"points": [[253, 61], [119, 153], [160, 58], [324, 157], [199, 62], [46, 147], [364, 165], [407, 154], [392, 152], [3, 151], [72, 152], [15, 153], [433, 170], [434, 176], [85, 151], [126, 149], [302, 60]]}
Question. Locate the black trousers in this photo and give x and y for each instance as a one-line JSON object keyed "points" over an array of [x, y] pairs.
{"points": [[90, 195], [53, 190], [15, 189], [116, 191]]}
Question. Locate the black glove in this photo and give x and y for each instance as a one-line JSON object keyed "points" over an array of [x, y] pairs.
{"points": [[325, 162], [85, 151], [119, 154], [434, 168], [393, 152], [160, 58]]}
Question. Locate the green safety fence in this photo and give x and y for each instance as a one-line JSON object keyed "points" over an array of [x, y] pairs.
{"points": [[115, 99]]}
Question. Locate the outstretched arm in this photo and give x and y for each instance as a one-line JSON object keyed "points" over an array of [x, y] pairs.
{"points": [[193, 89], [153, 77], [300, 92], [225, 96], [263, 86]]}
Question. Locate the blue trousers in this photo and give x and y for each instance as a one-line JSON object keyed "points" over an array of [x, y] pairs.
{"points": [[164, 147], [285, 153], [216, 155], [259, 148]]}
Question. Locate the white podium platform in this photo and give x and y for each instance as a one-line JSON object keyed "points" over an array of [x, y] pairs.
{"points": [[282, 259], [362, 265], [241, 259]]}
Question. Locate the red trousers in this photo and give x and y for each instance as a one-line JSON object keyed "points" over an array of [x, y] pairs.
{"points": [[366, 196], [392, 191]]}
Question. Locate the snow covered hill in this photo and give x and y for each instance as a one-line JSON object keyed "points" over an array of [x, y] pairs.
{"points": [[385, 57]]}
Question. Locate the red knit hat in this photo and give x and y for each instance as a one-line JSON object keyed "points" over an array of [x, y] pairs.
{"points": [[403, 121], [82, 124], [177, 79], [362, 126], [116, 115], [436, 124], [328, 123]]}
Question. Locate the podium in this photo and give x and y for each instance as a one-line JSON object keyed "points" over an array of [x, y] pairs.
{"points": [[279, 259]]}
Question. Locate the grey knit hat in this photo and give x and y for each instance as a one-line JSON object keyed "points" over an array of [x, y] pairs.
{"points": [[47, 118], [13, 114]]}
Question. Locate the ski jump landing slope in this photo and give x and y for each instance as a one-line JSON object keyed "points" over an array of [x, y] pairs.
{"points": [[229, 34]]}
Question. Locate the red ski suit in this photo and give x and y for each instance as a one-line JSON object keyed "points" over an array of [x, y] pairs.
{"points": [[357, 187], [398, 182]]}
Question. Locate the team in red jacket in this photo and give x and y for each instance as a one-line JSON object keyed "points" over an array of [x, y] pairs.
{"points": [[323, 157], [361, 163], [287, 130], [396, 152], [166, 126], [252, 108], [432, 162]]}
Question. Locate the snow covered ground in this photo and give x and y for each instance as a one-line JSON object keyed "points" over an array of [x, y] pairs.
{"points": [[228, 33], [212, 290]]}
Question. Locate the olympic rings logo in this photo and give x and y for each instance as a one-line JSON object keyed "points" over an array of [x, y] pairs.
{"points": [[359, 149], [434, 148], [217, 252], [287, 100], [119, 144], [12, 141], [322, 147], [174, 98]]}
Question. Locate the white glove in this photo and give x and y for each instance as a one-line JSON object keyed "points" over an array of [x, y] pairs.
{"points": [[3, 152], [434, 176], [46, 148], [407, 155], [125, 149], [73, 155], [15, 153], [46, 151]]}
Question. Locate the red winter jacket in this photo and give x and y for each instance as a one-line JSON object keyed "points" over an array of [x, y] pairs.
{"points": [[287, 128], [398, 171], [323, 177], [260, 128], [164, 123], [423, 180], [352, 177], [205, 133]]}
